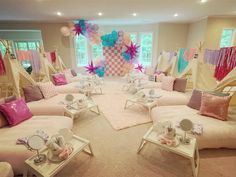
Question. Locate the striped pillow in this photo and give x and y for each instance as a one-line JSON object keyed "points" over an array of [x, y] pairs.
{"points": [[48, 89], [167, 83]]}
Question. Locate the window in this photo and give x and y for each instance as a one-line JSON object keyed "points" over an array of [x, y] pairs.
{"points": [[146, 49], [97, 52], [81, 51], [26, 45], [227, 38], [85, 51], [133, 37]]}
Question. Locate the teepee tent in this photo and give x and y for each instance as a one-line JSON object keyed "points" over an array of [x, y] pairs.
{"points": [[59, 65], [165, 62], [16, 77], [46, 67], [228, 84]]}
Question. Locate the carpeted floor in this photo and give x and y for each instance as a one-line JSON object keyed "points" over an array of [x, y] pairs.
{"points": [[112, 105], [115, 155]]}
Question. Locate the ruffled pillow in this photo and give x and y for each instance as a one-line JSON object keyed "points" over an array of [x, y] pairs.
{"points": [[48, 89], [59, 79], [215, 106], [167, 83]]}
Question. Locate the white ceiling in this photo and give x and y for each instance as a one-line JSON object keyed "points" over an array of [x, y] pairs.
{"points": [[115, 11]]}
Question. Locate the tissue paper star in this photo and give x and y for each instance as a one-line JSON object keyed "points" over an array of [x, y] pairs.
{"points": [[132, 50], [91, 69], [139, 67]]}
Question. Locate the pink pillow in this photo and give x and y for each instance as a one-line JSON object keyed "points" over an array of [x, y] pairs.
{"points": [[215, 106], [48, 89], [59, 79], [15, 111], [3, 121], [167, 83]]}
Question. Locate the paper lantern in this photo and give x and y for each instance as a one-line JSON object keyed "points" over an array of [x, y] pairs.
{"points": [[65, 31]]}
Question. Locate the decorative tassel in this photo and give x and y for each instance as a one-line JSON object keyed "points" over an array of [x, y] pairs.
{"points": [[53, 56]]}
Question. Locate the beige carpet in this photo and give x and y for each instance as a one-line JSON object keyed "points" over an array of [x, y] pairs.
{"points": [[112, 105], [115, 155]]}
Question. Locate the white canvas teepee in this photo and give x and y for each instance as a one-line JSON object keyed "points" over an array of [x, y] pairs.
{"points": [[46, 69], [59, 65], [228, 84], [165, 62]]}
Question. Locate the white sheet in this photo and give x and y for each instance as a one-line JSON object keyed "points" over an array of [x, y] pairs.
{"points": [[216, 133]]}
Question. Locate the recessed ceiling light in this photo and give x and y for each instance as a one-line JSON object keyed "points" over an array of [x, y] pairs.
{"points": [[176, 15], [134, 14], [100, 13], [203, 1], [59, 13]]}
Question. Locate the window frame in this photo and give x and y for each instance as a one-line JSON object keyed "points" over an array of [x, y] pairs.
{"points": [[140, 39], [232, 39], [87, 49]]}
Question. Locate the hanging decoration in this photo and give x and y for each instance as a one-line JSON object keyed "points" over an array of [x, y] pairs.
{"points": [[2, 66], [77, 29], [131, 52], [91, 68], [65, 31], [211, 56], [182, 63], [139, 67], [109, 40], [87, 29], [117, 48], [189, 54], [100, 64], [100, 71], [226, 63]]}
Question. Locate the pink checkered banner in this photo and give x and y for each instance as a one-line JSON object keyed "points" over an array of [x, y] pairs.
{"points": [[113, 60]]}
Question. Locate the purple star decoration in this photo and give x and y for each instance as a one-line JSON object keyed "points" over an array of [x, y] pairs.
{"points": [[91, 69], [132, 50], [139, 68]]}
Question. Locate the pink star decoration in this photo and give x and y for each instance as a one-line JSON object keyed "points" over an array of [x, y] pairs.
{"points": [[132, 50], [77, 29], [139, 68], [91, 69]]}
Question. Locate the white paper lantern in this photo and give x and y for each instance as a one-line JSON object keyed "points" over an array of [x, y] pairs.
{"points": [[65, 31]]}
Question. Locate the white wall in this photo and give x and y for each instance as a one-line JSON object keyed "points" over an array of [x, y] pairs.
{"points": [[196, 33], [172, 36]]}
